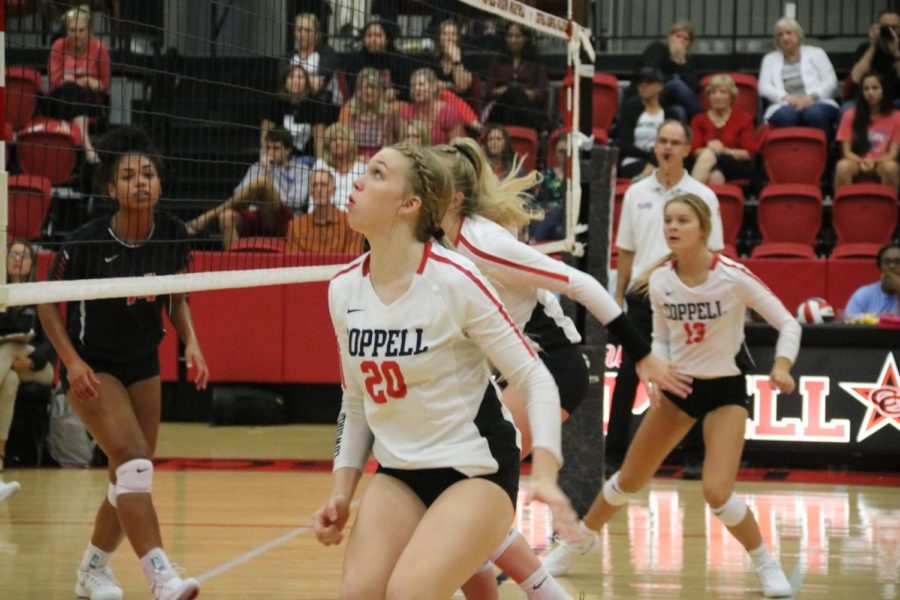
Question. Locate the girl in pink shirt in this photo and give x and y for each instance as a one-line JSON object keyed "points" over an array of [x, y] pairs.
{"points": [[870, 137], [79, 68]]}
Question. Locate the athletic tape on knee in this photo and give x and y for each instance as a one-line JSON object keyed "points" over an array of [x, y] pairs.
{"points": [[612, 493], [134, 477], [510, 537], [111, 494], [732, 512]]}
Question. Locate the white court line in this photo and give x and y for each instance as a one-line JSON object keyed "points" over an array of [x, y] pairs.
{"points": [[259, 550]]}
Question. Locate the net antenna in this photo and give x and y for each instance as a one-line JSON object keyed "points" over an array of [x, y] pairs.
{"points": [[577, 38]]}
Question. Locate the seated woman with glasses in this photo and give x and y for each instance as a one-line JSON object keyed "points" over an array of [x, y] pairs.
{"points": [[881, 297]]}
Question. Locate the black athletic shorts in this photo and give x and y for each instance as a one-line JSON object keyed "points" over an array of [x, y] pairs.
{"points": [[709, 394], [569, 369], [428, 484], [128, 373]]}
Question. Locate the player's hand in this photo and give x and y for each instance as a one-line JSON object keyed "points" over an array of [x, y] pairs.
{"points": [[82, 380], [328, 522], [21, 364], [193, 357], [565, 521], [781, 380], [652, 369], [655, 395]]}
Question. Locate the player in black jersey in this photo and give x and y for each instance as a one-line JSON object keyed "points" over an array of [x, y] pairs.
{"points": [[109, 350]]}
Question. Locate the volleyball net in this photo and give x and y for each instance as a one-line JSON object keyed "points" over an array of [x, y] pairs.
{"points": [[262, 118]]}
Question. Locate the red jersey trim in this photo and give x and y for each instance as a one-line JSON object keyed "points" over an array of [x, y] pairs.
{"points": [[506, 263], [743, 269], [424, 260], [352, 266], [715, 260], [487, 293]]}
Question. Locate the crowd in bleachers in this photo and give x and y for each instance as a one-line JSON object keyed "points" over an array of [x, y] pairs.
{"points": [[778, 139]]}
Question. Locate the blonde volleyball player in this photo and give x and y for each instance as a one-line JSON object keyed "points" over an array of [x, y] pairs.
{"points": [[416, 325], [699, 300], [476, 221], [110, 355]]}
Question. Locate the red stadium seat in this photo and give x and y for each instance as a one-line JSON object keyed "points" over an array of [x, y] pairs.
{"points": [[748, 93], [525, 144], [789, 218], [621, 188], [604, 104], [731, 205], [258, 244], [22, 87], [29, 201], [864, 217], [795, 155], [49, 148]]}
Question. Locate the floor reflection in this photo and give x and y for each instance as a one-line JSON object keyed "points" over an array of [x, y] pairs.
{"points": [[823, 534]]}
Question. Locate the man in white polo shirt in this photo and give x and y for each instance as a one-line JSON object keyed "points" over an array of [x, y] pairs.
{"points": [[641, 244]]}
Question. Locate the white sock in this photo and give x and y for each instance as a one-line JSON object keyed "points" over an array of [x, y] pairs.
{"points": [[541, 585], [760, 555], [155, 561], [94, 558]]}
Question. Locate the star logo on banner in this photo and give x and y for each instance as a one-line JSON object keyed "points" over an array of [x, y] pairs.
{"points": [[881, 399]]}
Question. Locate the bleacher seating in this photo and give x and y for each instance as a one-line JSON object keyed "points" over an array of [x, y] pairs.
{"points": [[731, 205], [22, 88], [864, 216], [795, 155], [604, 104], [49, 148], [29, 201], [525, 143], [789, 217]]}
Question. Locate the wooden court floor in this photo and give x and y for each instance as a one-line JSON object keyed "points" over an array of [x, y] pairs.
{"points": [[242, 527]]}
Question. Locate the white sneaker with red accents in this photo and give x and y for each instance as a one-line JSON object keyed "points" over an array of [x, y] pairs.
{"points": [[97, 584], [168, 585]]}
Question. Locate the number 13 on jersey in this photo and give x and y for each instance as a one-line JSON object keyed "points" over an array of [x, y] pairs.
{"points": [[694, 332], [384, 380]]}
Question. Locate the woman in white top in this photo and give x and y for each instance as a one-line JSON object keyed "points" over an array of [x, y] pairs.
{"points": [[341, 159], [477, 223], [699, 301], [798, 81], [416, 327]]}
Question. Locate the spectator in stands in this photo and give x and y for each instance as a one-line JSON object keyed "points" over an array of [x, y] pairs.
{"points": [[639, 120], [499, 149], [319, 60], [881, 297], [264, 202], [517, 84], [551, 197], [368, 114], [79, 69], [378, 53], [415, 133], [682, 85], [341, 158], [25, 352], [448, 61], [880, 54], [870, 137], [293, 109], [798, 81], [723, 137], [426, 105], [325, 229]]}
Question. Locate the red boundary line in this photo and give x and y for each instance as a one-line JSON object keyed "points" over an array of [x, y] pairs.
{"points": [[324, 466]]}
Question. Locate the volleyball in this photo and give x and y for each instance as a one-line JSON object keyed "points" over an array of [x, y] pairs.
{"points": [[815, 310]]}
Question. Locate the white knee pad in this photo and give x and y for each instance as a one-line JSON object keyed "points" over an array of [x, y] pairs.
{"points": [[732, 512], [134, 477], [510, 536], [612, 493], [111, 494]]}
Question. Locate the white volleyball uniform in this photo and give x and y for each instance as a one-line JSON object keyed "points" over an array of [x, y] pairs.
{"points": [[701, 328], [414, 372]]}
